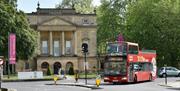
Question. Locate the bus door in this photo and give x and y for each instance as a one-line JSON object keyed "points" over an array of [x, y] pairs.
{"points": [[130, 72]]}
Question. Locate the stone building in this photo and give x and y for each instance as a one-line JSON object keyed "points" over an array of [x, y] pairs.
{"points": [[61, 33]]}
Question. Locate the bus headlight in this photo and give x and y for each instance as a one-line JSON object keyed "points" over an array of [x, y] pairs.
{"points": [[106, 78], [124, 78]]}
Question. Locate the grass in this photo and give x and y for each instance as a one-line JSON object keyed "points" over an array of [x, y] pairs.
{"points": [[15, 77], [92, 75], [81, 75], [11, 77]]}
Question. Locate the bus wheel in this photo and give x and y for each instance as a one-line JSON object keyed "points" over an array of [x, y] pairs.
{"points": [[150, 77], [135, 78]]}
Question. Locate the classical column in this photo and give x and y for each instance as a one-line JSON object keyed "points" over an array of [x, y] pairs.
{"points": [[39, 43], [63, 47], [50, 43], [75, 42]]}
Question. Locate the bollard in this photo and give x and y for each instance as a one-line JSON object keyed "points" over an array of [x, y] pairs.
{"points": [[98, 80], [55, 79], [165, 73], [76, 76]]}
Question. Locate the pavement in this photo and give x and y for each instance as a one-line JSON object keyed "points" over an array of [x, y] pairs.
{"points": [[70, 81], [79, 84], [175, 84]]}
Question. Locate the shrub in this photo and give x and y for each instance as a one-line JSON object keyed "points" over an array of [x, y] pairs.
{"points": [[49, 71], [71, 71]]}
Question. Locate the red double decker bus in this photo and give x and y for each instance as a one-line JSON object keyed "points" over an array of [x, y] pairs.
{"points": [[126, 63]]}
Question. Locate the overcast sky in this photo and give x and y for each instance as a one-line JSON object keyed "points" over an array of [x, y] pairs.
{"points": [[29, 6]]}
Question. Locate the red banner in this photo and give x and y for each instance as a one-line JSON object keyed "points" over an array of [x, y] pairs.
{"points": [[12, 49]]}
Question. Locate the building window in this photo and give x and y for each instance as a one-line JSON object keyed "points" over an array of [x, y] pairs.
{"points": [[68, 47], [68, 66], [56, 48], [44, 47], [44, 65], [85, 21]]}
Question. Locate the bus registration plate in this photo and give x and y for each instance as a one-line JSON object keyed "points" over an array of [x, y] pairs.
{"points": [[115, 80]]}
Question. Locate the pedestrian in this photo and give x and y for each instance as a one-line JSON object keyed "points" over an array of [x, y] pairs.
{"points": [[59, 72]]}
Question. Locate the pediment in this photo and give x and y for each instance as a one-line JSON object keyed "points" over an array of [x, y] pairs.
{"points": [[57, 21]]}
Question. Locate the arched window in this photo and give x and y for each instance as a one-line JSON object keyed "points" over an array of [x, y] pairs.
{"points": [[68, 66], [44, 65]]}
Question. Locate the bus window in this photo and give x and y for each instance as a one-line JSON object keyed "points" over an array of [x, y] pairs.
{"points": [[136, 67], [133, 49], [116, 49]]}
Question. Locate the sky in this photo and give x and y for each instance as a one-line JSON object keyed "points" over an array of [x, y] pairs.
{"points": [[29, 6]]}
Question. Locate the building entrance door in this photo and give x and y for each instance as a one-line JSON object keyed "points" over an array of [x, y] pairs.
{"points": [[57, 66]]}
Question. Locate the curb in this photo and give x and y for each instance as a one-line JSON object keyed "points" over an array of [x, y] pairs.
{"points": [[169, 85], [24, 80], [79, 85], [7, 89], [164, 85]]}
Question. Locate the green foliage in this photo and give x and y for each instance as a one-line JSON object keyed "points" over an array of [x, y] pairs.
{"points": [[154, 24], [111, 21], [49, 71], [13, 21], [81, 6], [71, 71]]}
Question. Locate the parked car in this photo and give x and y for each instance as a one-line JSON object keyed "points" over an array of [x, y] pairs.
{"points": [[170, 71]]}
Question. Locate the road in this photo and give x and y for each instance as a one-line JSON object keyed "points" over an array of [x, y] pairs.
{"points": [[41, 86]]}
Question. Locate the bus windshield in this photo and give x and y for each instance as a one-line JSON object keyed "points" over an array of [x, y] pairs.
{"points": [[116, 49], [115, 68]]}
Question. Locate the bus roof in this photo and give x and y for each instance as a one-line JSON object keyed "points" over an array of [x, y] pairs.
{"points": [[148, 51], [130, 43]]}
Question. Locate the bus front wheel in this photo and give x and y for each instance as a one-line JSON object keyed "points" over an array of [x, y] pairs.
{"points": [[150, 77]]}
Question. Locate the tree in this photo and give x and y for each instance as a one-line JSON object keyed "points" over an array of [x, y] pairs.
{"points": [[81, 6], [13, 21], [111, 21], [154, 24]]}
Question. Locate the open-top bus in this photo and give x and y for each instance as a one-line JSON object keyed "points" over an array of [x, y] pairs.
{"points": [[124, 62]]}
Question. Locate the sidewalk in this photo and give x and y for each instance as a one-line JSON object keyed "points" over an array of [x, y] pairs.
{"points": [[79, 84], [70, 81], [175, 84]]}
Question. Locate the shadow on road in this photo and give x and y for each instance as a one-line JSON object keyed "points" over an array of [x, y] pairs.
{"points": [[124, 83]]}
